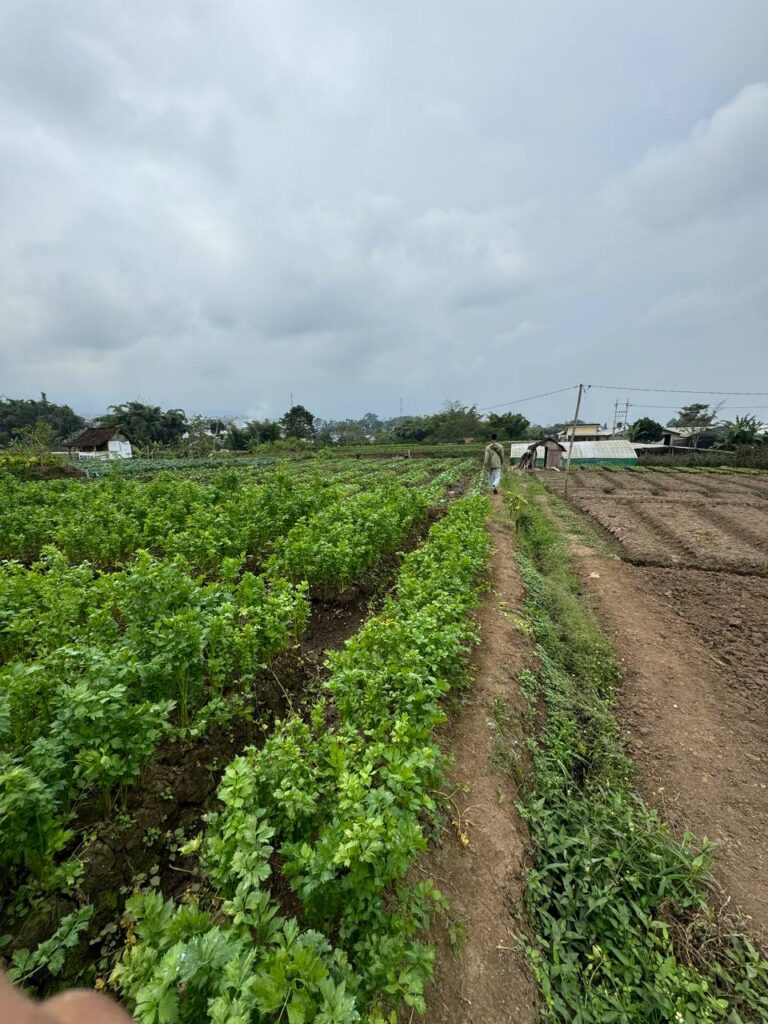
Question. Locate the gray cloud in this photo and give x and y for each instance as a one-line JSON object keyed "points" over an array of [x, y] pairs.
{"points": [[215, 207], [722, 162]]}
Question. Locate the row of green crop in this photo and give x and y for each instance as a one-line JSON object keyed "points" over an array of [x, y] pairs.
{"points": [[232, 516], [611, 888], [343, 797], [106, 522], [97, 667]]}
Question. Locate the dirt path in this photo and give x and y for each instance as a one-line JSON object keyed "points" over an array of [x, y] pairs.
{"points": [[698, 736], [485, 979]]}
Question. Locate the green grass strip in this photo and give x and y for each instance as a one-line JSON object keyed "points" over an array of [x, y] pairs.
{"points": [[624, 925]]}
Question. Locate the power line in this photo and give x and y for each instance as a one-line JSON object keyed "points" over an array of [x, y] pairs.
{"points": [[642, 405], [616, 387], [675, 391], [519, 401]]}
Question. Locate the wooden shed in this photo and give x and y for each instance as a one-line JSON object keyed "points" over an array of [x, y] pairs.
{"points": [[544, 454]]}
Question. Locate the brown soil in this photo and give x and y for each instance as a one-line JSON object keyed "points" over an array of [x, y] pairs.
{"points": [[694, 703], [682, 528], [485, 979]]}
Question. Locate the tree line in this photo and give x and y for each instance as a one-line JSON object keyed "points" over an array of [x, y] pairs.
{"points": [[151, 428]]}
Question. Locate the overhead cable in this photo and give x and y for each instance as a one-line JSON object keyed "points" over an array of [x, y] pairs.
{"points": [[677, 391], [519, 401]]}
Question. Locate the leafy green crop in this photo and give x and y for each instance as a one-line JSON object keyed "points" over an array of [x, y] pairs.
{"points": [[114, 661], [343, 796], [132, 615]]}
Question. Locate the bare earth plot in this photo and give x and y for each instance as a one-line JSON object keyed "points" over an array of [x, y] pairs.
{"points": [[686, 605], [705, 522]]}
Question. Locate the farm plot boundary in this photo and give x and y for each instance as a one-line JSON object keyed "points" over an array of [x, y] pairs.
{"points": [[625, 919]]}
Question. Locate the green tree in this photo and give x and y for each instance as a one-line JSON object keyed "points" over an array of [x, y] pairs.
{"points": [[144, 424], [646, 430], [16, 413], [510, 426], [455, 421], [264, 431], [742, 430], [370, 423], [199, 439], [696, 417], [298, 422], [413, 428], [256, 432], [37, 441]]}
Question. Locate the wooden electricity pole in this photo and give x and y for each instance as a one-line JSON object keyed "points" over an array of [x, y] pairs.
{"points": [[573, 432]]}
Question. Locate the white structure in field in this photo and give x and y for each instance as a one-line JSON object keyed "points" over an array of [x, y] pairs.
{"points": [[101, 443]]}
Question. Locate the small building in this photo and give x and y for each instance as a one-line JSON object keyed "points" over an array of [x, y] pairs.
{"points": [[581, 432], [673, 436], [585, 453], [100, 443]]}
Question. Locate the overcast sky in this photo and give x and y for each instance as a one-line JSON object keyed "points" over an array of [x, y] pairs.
{"points": [[215, 205]]}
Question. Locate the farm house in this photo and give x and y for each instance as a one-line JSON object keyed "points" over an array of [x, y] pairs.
{"points": [[585, 453], [100, 443]]}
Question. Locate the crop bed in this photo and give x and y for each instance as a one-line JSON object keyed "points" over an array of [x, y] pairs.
{"points": [[700, 542], [151, 631], [694, 520]]}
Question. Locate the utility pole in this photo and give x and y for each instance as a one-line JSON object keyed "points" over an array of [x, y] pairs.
{"points": [[615, 417], [626, 417], [573, 432]]}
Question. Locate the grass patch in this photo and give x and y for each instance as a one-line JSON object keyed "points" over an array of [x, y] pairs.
{"points": [[623, 916]]}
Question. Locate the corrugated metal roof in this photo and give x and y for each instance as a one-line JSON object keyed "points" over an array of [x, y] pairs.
{"points": [[584, 450]]}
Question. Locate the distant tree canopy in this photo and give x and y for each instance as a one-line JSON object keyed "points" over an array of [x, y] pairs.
{"points": [[510, 426], [298, 422], [147, 424], [17, 413], [645, 430], [37, 440], [454, 422], [696, 418], [744, 430], [242, 439]]}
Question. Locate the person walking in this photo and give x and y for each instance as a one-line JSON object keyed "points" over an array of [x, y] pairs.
{"points": [[493, 461]]}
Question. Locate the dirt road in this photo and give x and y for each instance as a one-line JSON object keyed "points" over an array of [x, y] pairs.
{"points": [[483, 977]]}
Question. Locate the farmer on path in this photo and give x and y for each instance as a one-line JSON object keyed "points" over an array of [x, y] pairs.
{"points": [[493, 461]]}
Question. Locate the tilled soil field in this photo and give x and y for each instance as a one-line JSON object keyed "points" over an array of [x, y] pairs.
{"points": [[687, 609], [696, 521]]}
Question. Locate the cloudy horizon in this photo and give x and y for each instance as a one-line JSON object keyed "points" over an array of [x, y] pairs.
{"points": [[214, 208]]}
